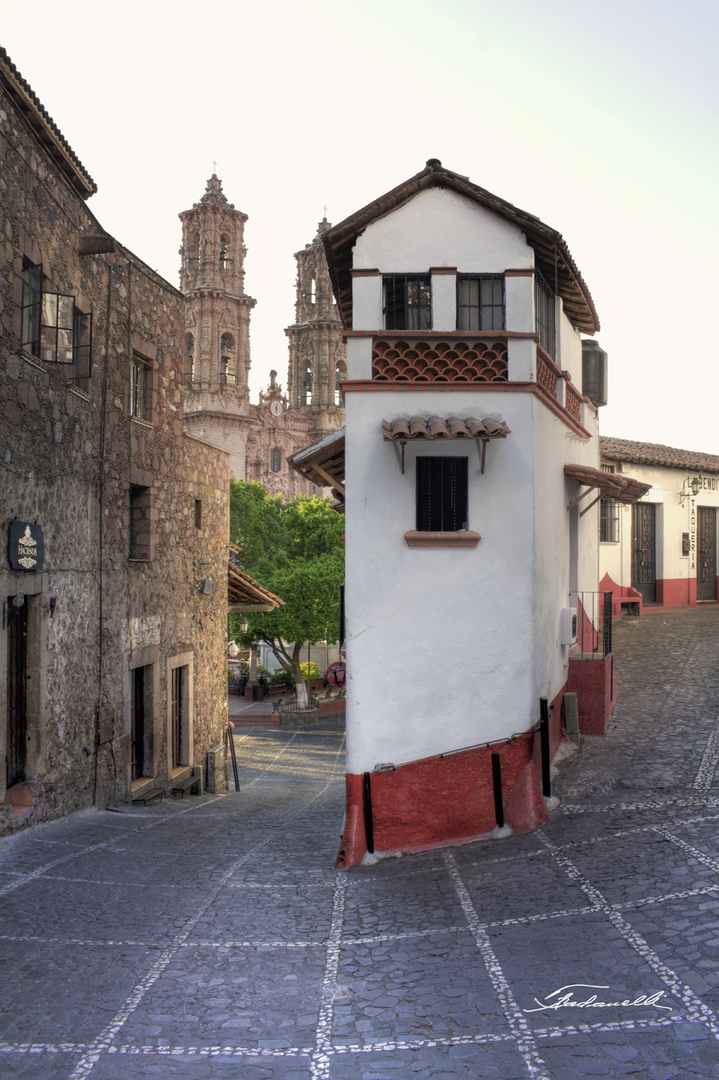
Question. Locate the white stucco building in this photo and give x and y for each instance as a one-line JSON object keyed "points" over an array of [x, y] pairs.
{"points": [[468, 437], [663, 550]]}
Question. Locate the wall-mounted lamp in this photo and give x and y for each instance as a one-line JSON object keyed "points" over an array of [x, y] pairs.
{"points": [[206, 587], [51, 605], [11, 607], [690, 488]]}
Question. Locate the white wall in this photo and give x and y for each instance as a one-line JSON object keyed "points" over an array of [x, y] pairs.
{"points": [[441, 228], [449, 647], [673, 517], [438, 639]]}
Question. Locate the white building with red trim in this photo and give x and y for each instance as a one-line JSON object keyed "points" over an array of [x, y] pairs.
{"points": [[662, 551], [468, 449]]}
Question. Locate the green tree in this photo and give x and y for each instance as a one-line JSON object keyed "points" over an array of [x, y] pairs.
{"points": [[295, 550]]}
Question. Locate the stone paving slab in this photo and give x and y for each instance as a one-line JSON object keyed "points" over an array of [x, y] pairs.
{"points": [[211, 938]]}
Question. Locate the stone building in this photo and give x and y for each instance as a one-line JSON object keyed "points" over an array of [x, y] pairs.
{"points": [[113, 564], [259, 437]]}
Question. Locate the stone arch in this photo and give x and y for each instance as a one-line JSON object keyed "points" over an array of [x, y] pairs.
{"points": [[190, 356], [225, 259], [228, 358], [340, 373]]}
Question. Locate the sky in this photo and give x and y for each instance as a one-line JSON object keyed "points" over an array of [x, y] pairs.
{"points": [[599, 116]]}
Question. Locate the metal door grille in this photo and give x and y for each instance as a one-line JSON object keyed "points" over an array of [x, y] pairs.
{"points": [[177, 747], [707, 561], [644, 551], [16, 759]]}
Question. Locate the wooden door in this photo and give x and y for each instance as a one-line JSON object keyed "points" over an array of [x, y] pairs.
{"points": [[644, 567], [16, 756], [707, 553]]}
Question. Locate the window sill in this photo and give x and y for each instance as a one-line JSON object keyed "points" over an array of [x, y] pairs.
{"points": [[141, 422], [465, 538]]}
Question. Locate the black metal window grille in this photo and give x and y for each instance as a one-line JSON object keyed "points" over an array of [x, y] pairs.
{"points": [[31, 303], [138, 387], [480, 303], [275, 460], [544, 304], [442, 494], [140, 526], [177, 706], [53, 328], [81, 367], [407, 302], [608, 521], [137, 763]]}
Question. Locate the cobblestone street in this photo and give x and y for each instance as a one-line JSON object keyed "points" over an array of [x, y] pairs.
{"points": [[211, 937]]}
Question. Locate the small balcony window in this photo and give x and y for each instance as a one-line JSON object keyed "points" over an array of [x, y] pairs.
{"points": [[544, 303], [407, 302], [139, 380], [442, 494], [53, 328], [480, 303]]}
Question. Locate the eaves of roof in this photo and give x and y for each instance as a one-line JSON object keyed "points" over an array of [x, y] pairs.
{"points": [[669, 457], [44, 127], [552, 255], [246, 594]]}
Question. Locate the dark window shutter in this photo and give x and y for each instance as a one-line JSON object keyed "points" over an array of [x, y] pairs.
{"points": [[441, 494]]}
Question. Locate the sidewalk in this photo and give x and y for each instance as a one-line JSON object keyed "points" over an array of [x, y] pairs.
{"points": [[210, 938]]}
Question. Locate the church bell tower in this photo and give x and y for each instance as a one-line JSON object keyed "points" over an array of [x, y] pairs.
{"points": [[217, 311], [318, 355]]}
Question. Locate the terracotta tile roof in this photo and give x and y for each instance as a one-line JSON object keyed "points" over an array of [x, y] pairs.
{"points": [[440, 427], [611, 485], [324, 464], [45, 128], [552, 256], [246, 594], [641, 453]]}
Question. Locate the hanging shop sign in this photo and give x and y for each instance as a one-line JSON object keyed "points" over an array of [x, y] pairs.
{"points": [[27, 546]]}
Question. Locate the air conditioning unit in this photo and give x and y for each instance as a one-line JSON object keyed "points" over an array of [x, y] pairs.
{"points": [[568, 626]]}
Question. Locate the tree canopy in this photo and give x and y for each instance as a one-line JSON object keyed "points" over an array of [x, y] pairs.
{"points": [[295, 550]]}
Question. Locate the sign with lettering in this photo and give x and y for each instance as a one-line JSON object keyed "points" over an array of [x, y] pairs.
{"points": [[27, 546]]}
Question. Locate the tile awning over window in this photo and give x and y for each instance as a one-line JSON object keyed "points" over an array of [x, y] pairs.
{"points": [[404, 429], [622, 489]]}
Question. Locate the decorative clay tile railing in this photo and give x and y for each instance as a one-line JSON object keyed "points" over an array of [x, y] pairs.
{"points": [[572, 402], [546, 376], [454, 360]]}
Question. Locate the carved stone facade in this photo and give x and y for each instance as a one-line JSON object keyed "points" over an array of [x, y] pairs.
{"points": [[259, 438], [318, 360]]}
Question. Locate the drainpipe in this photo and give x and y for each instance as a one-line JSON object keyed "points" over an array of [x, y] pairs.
{"points": [[101, 505]]}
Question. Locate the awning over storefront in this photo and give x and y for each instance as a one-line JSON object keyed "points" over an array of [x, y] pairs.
{"points": [[622, 489]]}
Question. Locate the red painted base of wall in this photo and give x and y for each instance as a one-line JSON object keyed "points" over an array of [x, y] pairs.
{"points": [[448, 799], [622, 597], [671, 593], [595, 685]]}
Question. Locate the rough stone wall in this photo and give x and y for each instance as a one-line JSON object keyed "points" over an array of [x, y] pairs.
{"points": [[70, 459]]}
